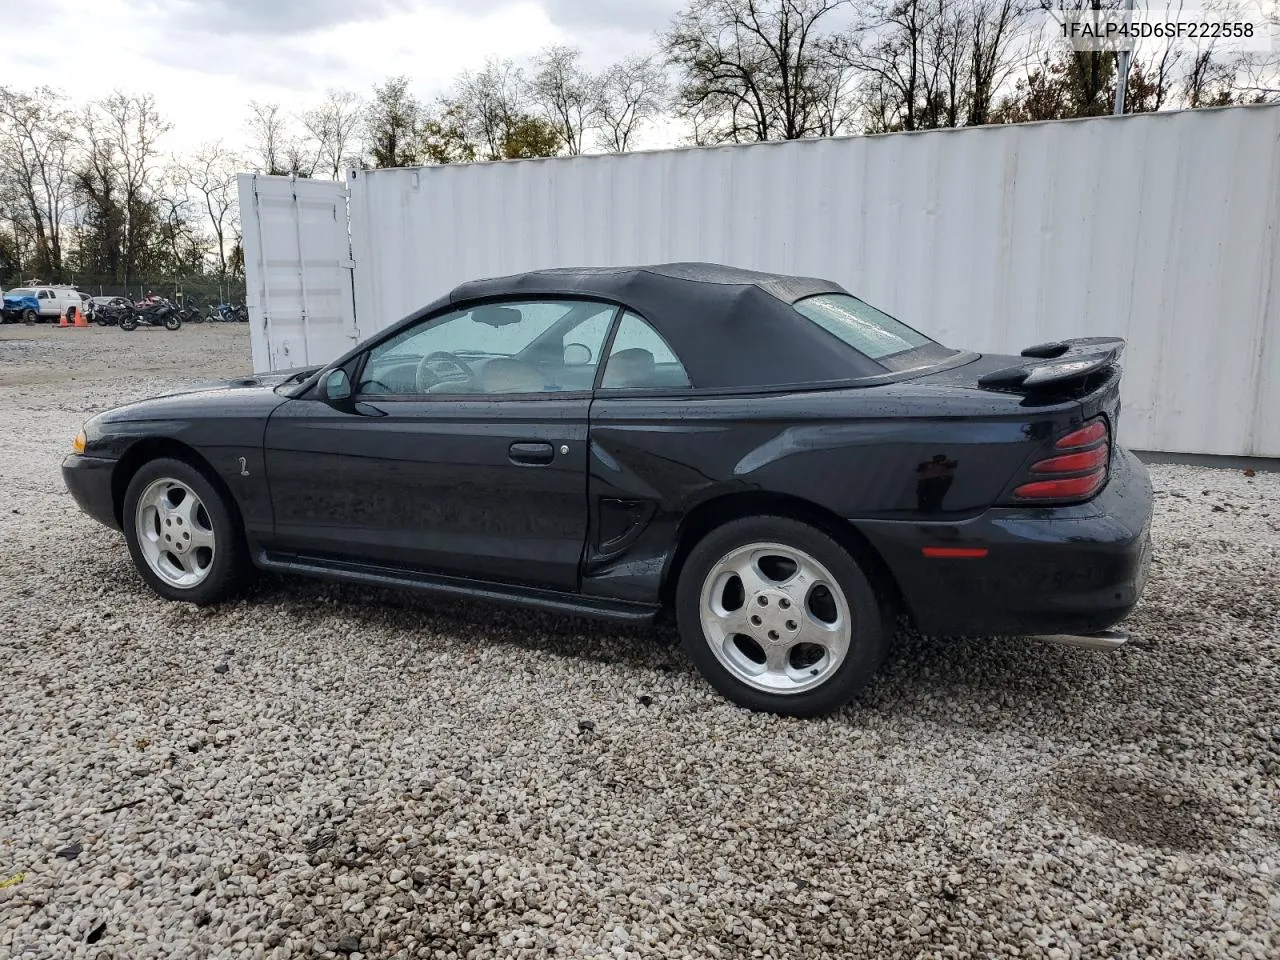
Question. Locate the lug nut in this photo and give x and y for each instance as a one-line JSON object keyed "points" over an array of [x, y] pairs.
{"points": [[773, 634], [791, 624], [755, 620], [763, 601], [784, 603]]}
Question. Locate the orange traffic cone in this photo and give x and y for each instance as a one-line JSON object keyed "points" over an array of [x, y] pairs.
{"points": [[62, 320], [80, 320]]}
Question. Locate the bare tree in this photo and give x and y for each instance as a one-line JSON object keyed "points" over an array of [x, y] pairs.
{"points": [[37, 144], [300, 157], [124, 133], [994, 26], [207, 180], [632, 93], [752, 69], [177, 234], [334, 127], [488, 104], [268, 133], [890, 57], [1257, 77], [924, 64], [567, 95]]}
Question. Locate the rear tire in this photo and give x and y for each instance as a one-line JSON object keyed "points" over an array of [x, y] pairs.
{"points": [[779, 617], [128, 323], [29, 316], [183, 536]]}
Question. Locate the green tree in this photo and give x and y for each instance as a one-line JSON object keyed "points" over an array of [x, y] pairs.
{"points": [[1074, 83], [393, 125], [443, 139], [528, 136], [492, 109], [10, 259], [117, 184]]}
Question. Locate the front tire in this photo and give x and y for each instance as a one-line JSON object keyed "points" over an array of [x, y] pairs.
{"points": [[779, 617], [29, 316], [182, 534], [172, 322], [128, 323]]}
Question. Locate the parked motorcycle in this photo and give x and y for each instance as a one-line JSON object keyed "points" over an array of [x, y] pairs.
{"points": [[226, 313], [110, 314], [190, 313], [153, 312]]}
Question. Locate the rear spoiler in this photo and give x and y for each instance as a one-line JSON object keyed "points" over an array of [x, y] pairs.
{"points": [[1055, 365]]}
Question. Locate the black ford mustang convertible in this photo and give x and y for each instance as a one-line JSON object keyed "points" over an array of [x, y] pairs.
{"points": [[780, 465]]}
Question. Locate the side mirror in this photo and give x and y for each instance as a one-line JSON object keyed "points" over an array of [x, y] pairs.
{"points": [[576, 355], [336, 387]]}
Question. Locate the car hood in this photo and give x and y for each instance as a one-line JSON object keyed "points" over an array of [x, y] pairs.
{"points": [[254, 394], [20, 301]]}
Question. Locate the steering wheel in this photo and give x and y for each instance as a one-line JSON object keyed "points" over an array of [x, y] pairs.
{"points": [[425, 369]]}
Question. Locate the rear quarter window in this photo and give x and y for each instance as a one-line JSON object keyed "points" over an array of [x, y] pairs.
{"points": [[871, 332]]}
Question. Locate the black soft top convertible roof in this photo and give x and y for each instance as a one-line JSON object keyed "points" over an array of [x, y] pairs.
{"points": [[731, 328]]}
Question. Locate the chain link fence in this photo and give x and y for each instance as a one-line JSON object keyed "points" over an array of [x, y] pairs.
{"points": [[200, 290]]}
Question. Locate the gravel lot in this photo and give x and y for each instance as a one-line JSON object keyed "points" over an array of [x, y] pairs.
{"points": [[325, 771]]}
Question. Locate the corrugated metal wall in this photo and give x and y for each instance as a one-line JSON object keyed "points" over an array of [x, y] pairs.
{"points": [[1158, 228]]}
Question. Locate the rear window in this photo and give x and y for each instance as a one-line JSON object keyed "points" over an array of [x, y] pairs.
{"points": [[868, 330], [22, 292]]}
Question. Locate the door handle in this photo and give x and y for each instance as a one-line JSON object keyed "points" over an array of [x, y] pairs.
{"points": [[532, 454]]}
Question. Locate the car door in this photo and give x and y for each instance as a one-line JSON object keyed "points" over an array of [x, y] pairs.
{"points": [[647, 461], [48, 303], [460, 450]]}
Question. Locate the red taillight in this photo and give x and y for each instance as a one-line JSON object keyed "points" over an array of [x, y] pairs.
{"points": [[1073, 462], [1089, 433], [1065, 489], [1071, 476]]}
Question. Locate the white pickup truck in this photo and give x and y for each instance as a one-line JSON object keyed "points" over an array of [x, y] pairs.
{"points": [[33, 303]]}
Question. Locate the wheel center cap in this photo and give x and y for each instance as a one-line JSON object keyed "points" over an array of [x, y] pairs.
{"points": [[173, 534], [775, 617]]}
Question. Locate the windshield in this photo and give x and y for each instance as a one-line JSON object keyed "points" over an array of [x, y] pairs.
{"points": [[869, 331], [20, 292]]}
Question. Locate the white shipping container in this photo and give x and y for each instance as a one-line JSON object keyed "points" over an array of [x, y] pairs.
{"points": [[1159, 228]]}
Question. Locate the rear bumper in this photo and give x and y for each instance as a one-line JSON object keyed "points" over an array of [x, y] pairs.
{"points": [[89, 480], [1053, 570]]}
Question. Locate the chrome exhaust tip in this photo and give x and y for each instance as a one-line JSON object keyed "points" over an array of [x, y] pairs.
{"points": [[1104, 640]]}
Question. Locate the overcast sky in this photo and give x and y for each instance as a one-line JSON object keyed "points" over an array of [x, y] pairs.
{"points": [[205, 59]]}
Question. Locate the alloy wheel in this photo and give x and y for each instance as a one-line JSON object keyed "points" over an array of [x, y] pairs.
{"points": [[175, 533], [775, 618]]}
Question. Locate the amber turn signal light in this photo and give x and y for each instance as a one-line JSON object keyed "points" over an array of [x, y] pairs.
{"points": [[78, 443]]}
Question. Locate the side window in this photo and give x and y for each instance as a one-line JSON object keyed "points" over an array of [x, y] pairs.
{"points": [[640, 359], [536, 346], [45, 295]]}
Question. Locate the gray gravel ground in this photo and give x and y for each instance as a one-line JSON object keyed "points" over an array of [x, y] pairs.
{"points": [[328, 771]]}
